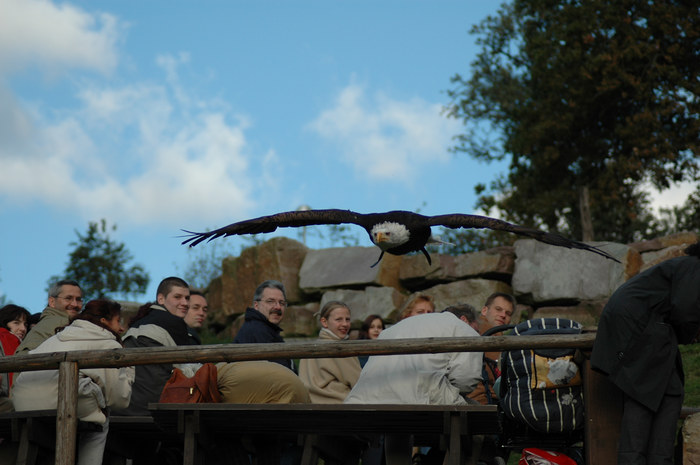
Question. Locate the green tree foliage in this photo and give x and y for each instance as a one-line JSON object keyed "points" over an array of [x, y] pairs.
{"points": [[590, 99], [100, 265]]}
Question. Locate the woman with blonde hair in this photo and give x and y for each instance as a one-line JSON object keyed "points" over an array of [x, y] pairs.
{"points": [[329, 380], [417, 305]]}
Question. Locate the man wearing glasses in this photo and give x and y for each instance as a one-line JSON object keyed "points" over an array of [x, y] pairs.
{"points": [[65, 301], [262, 320]]}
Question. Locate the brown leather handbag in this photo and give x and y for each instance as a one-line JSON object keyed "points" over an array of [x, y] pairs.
{"points": [[200, 388]]}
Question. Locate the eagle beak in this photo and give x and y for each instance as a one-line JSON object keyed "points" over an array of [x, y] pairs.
{"points": [[380, 237]]}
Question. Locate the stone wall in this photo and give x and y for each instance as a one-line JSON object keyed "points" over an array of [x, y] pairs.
{"points": [[546, 280]]}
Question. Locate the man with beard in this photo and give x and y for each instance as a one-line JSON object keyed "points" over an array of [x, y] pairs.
{"points": [[262, 320]]}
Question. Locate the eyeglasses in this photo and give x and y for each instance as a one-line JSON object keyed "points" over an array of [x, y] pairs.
{"points": [[272, 302], [71, 299]]}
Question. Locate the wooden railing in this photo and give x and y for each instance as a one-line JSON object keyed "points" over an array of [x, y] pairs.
{"points": [[68, 363]]}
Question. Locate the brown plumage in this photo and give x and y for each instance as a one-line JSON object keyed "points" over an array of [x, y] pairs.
{"points": [[395, 232]]}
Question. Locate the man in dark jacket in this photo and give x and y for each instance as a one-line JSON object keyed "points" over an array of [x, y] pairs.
{"points": [[262, 320], [637, 348], [158, 324]]}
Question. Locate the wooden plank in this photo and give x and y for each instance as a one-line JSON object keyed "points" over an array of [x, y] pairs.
{"points": [[603, 403], [67, 413], [344, 419], [428, 422], [191, 428], [240, 352]]}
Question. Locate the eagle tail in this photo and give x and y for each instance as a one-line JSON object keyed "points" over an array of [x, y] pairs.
{"points": [[556, 239]]}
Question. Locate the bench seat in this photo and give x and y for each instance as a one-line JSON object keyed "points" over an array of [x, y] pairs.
{"points": [[452, 425]]}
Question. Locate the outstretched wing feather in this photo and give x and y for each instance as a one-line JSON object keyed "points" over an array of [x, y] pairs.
{"points": [[456, 221], [270, 223]]}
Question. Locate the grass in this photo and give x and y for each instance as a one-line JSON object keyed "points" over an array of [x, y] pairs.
{"points": [[691, 367]]}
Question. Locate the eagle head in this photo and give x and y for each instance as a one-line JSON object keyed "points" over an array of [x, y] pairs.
{"points": [[388, 235]]}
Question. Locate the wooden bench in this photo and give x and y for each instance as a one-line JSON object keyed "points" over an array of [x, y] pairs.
{"points": [[450, 426], [35, 433]]}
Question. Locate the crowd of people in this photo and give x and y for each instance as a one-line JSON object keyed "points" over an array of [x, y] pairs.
{"points": [[668, 293], [174, 319]]}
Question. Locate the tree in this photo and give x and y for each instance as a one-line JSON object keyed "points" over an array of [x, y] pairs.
{"points": [[590, 99], [99, 264], [683, 218], [204, 263]]}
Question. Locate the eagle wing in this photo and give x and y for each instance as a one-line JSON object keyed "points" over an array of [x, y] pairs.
{"points": [[266, 224], [456, 221]]}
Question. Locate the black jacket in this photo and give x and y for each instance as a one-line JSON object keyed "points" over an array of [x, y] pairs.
{"points": [[150, 331], [258, 330], [641, 326]]}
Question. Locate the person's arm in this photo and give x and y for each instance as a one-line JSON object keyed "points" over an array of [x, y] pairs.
{"points": [[684, 315], [464, 370]]}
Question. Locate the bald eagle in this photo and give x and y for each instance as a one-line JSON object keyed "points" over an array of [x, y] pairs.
{"points": [[395, 232]]}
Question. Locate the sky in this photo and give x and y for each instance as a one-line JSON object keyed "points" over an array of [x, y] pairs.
{"points": [[160, 116]]}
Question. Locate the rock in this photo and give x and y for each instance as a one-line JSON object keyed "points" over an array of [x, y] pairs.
{"points": [[349, 267], [549, 273], [659, 243], [586, 313], [691, 440], [214, 295], [650, 259], [497, 263], [382, 301], [299, 320], [279, 258], [416, 274], [472, 291]]}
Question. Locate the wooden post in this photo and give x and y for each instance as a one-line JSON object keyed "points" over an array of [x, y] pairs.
{"points": [[603, 404], [67, 413]]}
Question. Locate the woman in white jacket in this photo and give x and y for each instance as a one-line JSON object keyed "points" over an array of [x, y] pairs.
{"points": [[96, 327]]}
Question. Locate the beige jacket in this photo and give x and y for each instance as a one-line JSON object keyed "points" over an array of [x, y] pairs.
{"points": [[329, 380], [98, 388]]}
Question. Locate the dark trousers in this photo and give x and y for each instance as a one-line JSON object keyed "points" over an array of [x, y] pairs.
{"points": [[647, 437]]}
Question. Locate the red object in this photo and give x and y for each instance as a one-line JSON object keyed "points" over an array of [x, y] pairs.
{"points": [[532, 456], [9, 342], [202, 387]]}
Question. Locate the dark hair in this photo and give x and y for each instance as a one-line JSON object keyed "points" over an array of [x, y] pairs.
{"points": [[97, 309], [55, 288], [270, 283], [195, 292], [364, 329], [693, 250], [462, 310], [12, 312], [168, 284], [503, 295], [33, 319], [143, 310]]}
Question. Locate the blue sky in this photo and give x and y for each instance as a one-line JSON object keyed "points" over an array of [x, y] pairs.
{"points": [[168, 115]]}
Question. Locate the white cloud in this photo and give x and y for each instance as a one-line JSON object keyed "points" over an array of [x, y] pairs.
{"points": [[135, 154], [385, 138], [56, 37]]}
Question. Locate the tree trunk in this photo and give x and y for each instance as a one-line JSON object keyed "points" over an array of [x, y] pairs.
{"points": [[584, 203]]}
